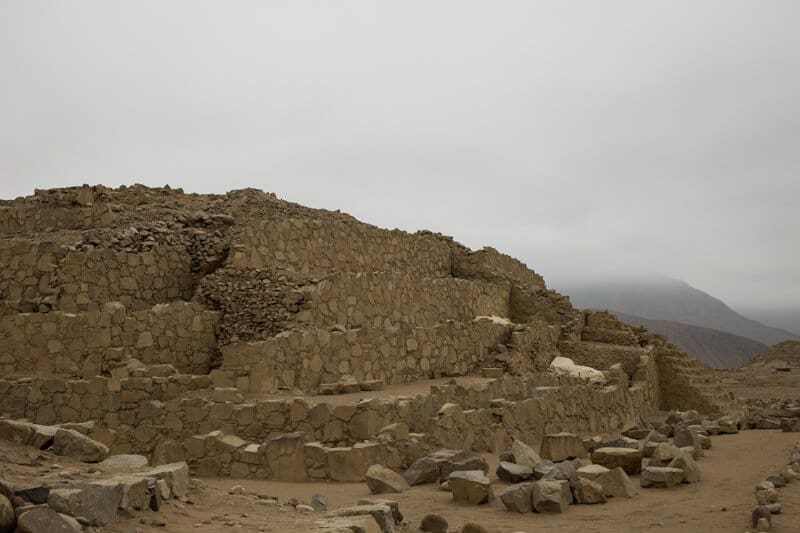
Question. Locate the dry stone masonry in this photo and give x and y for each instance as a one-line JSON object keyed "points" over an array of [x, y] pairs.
{"points": [[211, 330]]}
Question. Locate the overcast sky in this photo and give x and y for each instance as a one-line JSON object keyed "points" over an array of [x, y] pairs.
{"points": [[586, 138]]}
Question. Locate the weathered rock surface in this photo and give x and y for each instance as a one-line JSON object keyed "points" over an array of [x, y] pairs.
{"points": [[47, 521], [513, 473], [524, 455], [587, 491], [384, 480], [661, 477], [562, 446], [685, 463], [518, 497], [70, 443], [434, 523], [471, 486], [7, 517], [551, 496], [629, 459]]}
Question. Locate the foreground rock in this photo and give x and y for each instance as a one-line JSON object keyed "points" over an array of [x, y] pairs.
{"points": [[70, 443], [587, 491], [381, 513], [524, 455], [7, 518], [471, 486], [44, 520], [383, 480], [686, 464], [513, 473], [766, 493], [562, 446], [551, 496], [629, 459], [661, 477], [434, 523], [518, 498]]}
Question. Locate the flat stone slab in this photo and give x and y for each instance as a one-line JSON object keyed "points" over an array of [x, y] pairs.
{"points": [[628, 459], [661, 477]]}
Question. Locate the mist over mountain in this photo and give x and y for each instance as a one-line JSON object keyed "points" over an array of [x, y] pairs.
{"points": [[784, 318], [718, 349], [672, 300]]}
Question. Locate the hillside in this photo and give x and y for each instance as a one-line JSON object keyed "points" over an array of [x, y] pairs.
{"points": [[717, 349], [671, 300], [782, 354]]}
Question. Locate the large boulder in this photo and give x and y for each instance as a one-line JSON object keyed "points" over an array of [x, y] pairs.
{"points": [[383, 480], [43, 520], [513, 473], [661, 476], [562, 446], [97, 501], [7, 517], [427, 469], [766, 493], [470, 486], [434, 523], [616, 483], [685, 463], [517, 497], [551, 496], [381, 513], [524, 455], [629, 459], [70, 443], [175, 474], [473, 463], [728, 424], [587, 491]]}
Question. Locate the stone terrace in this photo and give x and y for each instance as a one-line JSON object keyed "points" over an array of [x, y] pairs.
{"points": [[209, 328]]}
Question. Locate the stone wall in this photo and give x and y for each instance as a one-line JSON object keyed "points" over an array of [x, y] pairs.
{"points": [[489, 264], [303, 359], [181, 334], [26, 268], [87, 280], [381, 300], [325, 246], [30, 218]]}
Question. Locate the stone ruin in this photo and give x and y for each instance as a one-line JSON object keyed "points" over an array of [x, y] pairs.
{"points": [[252, 337]]}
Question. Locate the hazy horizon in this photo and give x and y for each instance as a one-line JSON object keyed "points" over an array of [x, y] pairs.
{"points": [[588, 140]]}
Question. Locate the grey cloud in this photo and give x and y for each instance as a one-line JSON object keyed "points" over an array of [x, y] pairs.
{"points": [[586, 138]]}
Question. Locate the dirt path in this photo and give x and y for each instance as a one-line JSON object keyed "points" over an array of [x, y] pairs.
{"points": [[729, 471]]}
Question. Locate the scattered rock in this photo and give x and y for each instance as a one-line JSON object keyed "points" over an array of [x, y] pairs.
{"points": [[70, 443], [434, 523], [517, 497], [524, 455], [661, 476], [46, 520], [471, 486], [561, 446], [587, 491], [8, 519], [472, 527], [384, 480], [551, 496], [319, 502], [513, 473], [686, 464], [629, 459], [766, 493]]}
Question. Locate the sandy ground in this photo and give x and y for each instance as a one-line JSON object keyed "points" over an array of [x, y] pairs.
{"points": [[721, 501]]}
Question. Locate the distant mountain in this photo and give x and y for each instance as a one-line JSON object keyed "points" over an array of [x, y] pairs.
{"points": [[718, 349], [672, 300], [785, 318]]}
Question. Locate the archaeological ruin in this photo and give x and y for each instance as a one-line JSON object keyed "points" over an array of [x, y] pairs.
{"points": [[247, 337]]}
